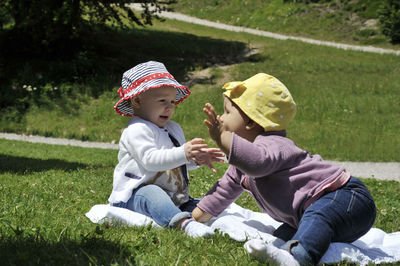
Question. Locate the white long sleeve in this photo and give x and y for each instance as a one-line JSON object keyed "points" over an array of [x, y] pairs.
{"points": [[153, 150], [147, 155]]}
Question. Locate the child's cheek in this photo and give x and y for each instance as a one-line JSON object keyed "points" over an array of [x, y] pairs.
{"points": [[224, 127]]}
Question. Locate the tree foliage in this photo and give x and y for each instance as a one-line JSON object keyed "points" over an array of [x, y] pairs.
{"points": [[50, 25], [389, 16], [47, 42]]}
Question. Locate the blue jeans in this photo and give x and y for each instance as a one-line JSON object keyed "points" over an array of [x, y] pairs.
{"points": [[343, 215], [154, 202]]}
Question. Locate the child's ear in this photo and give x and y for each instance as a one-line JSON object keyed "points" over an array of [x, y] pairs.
{"points": [[135, 102], [252, 125]]}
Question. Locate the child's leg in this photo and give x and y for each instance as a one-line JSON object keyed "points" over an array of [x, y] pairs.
{"points": [[343, 215], [190, 205], [285, 232], [152, 201]]}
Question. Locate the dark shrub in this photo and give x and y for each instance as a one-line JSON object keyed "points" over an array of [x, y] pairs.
{"points": [[389, 17]]}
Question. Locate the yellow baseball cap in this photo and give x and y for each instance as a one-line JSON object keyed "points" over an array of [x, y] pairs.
{"points": [[264, 99]]}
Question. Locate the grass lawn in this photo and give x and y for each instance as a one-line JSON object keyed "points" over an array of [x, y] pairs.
{"points": [[352, 22], [348, 107], [45, 191], [347, 101]]}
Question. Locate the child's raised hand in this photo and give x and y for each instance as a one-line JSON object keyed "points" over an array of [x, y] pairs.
{"points": [[199, 152], [193, 147], [208, 156], [213, 122], [216, 129]]}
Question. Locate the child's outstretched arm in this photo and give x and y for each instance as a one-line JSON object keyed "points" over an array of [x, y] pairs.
{"points": [[215, 128], [199, 152]]}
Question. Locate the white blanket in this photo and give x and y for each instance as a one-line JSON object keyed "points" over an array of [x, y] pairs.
{"points": [[245, 225]]}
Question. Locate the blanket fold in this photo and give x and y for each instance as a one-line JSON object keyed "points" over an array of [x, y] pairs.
{"points": [[256, 229]]}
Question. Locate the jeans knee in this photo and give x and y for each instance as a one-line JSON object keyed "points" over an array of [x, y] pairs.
{"points": [[151, 193], [148, 190]]}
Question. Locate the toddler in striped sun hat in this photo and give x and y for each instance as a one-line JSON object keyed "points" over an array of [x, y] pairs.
{"points": [[151, 177]]}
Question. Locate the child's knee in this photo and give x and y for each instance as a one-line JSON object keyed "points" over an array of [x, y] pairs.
{"points": [[150, 191]]}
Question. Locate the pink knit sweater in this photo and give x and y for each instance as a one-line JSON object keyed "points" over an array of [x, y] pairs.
{"points": [[283, 179]]}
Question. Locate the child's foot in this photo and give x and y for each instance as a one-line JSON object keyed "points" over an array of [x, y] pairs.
{"points": [[196, 229], [269, 253]]}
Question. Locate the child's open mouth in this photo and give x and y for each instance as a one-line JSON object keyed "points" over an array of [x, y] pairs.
{"points": [[164, 117]]}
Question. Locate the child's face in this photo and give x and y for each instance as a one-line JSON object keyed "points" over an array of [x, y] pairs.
{"points": [[157, 105], [233, 119]]}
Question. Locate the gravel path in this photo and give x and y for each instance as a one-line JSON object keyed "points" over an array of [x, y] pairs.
{"points": [[383, 171], [189, 19], [59, 141]]}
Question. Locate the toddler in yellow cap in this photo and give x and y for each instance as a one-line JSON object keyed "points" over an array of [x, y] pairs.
{"points": [[316, 201]]}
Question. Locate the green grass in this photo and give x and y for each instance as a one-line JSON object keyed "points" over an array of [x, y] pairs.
{"points": [[348, 100], [348, 110], [45, 191], [340, 21]]}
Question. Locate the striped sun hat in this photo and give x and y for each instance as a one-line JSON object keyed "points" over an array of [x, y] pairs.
{"points": [[143, 77]]}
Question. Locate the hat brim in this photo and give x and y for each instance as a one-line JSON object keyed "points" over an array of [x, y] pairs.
{"points": [[123, 106]]}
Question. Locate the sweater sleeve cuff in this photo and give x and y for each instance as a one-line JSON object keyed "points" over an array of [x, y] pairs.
{"points": [[181, 156]]}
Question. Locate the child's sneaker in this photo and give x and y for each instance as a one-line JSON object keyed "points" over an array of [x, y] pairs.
{"points": [[196, 229]]}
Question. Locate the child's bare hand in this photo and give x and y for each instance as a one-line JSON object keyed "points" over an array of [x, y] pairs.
{"points": [[193, 147], [199, 152], [208, 156], [216, 129], [214, 122]]}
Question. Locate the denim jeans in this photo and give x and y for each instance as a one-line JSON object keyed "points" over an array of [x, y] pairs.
{"points": [[342, 215], [154, 202]]}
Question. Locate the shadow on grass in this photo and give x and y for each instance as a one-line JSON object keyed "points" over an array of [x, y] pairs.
{"points": [[22, 165], [97, 66], [33, 250]]}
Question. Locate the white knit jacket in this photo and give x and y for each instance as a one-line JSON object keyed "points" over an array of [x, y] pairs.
{"points": [[148, 156]]}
